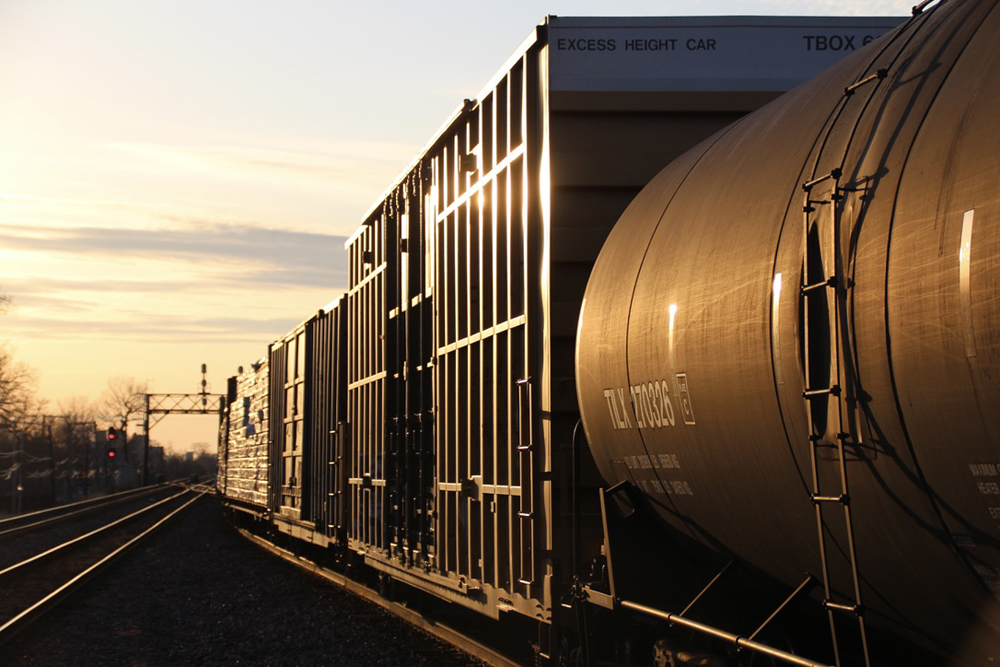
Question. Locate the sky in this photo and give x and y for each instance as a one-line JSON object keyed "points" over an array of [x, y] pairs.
{"points": [[177, 179]]}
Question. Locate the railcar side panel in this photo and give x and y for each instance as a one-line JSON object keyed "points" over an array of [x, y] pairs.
{"points": [[409, 406], [491, 519], [366, 389], [325, 503], [288, 409]]}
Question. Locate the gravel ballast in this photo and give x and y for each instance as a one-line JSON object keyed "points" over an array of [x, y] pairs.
{"points": [[198, 593]]}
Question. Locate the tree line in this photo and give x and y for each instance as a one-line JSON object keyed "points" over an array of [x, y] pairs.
{"points": [[56, 455]]}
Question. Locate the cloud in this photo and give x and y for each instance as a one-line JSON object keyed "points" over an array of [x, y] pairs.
{"points": [[242, 253], [35, 287], [193, 283], [320, 185], [343, 165], [49, 204], [160, 329], [255, 316]]}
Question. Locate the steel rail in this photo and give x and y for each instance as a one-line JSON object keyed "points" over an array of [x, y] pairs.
{"points": [[203, 487], [736, 640], [32, 613], [444, 633], [86, 536], [8, 526]]}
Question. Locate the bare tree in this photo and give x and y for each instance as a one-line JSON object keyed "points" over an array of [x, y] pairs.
{"points": [[123, 398], [77, 432], [76, 409], [16, 384], [77, 414], [17, 391]]}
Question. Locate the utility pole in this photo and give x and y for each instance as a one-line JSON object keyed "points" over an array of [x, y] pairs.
{"points": [[18, 488], [145, 446], [13, 473], [86, 462], [52, 456]]}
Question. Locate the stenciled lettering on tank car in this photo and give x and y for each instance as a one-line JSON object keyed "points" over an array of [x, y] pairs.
{"points": [[651, 404]]}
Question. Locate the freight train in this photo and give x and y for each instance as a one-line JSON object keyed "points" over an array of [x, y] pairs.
{"points": [[762, 427]]}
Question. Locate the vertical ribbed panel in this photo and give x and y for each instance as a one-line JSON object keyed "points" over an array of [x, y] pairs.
{"points": [[326, 397], [366, 340], [276, 439]]}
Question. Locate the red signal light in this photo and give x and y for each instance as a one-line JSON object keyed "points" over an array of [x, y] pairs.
{"points": [[112, 434], [111, 454]]}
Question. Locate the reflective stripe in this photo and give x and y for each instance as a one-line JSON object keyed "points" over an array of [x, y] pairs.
{"points": [[964, 256], [779, 375]]}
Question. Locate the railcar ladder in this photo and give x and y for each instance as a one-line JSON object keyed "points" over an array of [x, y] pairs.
{"points": [[825, 286], [826, 283]]}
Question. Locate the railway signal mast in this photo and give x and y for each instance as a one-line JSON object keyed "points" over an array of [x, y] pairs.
{"points": [[160, 405], [112, 437]]}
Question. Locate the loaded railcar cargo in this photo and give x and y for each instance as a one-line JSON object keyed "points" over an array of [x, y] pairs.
{"points": [[467, 279], [245, 476]]}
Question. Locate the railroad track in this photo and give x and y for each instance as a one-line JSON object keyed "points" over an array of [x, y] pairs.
{"points": [[475, 645], [22, 523], [37, 582]]}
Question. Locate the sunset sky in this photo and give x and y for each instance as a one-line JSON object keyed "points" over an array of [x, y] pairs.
{"points": [[177, 178]]}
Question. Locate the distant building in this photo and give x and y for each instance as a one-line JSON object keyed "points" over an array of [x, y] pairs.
{"points": [[156, 457]]}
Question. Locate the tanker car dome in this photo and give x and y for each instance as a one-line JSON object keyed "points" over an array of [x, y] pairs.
{"points": [[796, 322]]}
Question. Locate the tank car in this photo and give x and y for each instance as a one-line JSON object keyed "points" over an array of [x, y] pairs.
{"points": [[789, 342]]}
